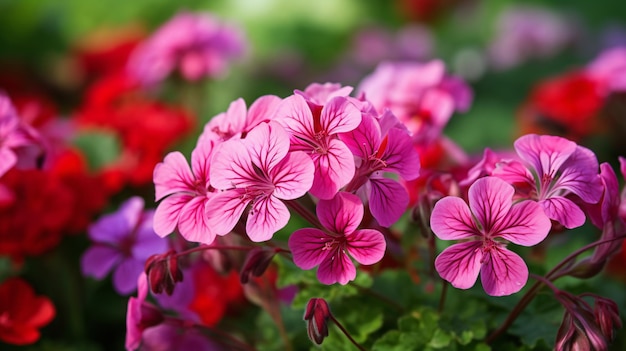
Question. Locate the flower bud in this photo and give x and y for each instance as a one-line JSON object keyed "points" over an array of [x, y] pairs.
{"points": [[257, 261], [163, 272], [316, 316], [607, 316]]}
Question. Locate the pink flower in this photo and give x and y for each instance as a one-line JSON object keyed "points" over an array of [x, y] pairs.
{"points": [[382, 150], [197, 45], [329, 249], [236, 121], [16, 137], [314, 129], [554, 168], [490, 217], [140, 315], [185, 192], [258, 171], [320, 94], [609, 68]]}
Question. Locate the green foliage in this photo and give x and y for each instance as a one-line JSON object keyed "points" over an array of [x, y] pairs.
{"points": [[100, 148]]}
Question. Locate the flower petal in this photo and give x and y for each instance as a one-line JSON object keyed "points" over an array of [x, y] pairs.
{"points": [[564, 211], [201, 160], [293, 176], [9, 159], [503, 272], [267, 215], [333, 170], [99, 260], [336, 268], [193, 223], [342, 214], [490, 199], [125, 276], [268, 144], [173, 175], [526, 224], [460, 263], [307, 246], [263, 109], [339, 115], [364, 140], [546, 153], [388, 200], [295, 115], [366, 246], [231, 165], [224, 210], [451, 219], [580, 176], [168, 212], [400, 156]]}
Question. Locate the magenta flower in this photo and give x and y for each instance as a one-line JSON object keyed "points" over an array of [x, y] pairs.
{"points": [[554, 168], [15, 136], [379, 151], [185, 192], [236, 121], [320, 94], [258, 171], [122, 242], [610, 69], [197, 45], [490, 217], [140, 315], [313, 130], [329, 249]]}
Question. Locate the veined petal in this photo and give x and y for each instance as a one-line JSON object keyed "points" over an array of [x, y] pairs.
{"points": [[513, 171], [268, 144], [173, 175], [263, 109], [294, 114], [333, 170], [366, 246], [308, 247], [460, 263], [503, 272], [342, 214], [336, 268], [388, 200], [201, 159], [364, 140], [339, 115], [546, 153], [564, 211], [451, 219], [168, 212], [99, 260], [231, 166], [580, 176], [193, 223], [224, 210], [400, 156], [490, 199], [267, 215], [293, 176], [526, 224]]}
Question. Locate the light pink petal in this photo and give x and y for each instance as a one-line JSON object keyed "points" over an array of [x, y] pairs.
{"points": [[513, 172], [231, 166], [8, 159], [580, 175], [333, 170], [99, 260], [339, 115], [168, 212], [293, 176], [342, 214], [267, 215], [268, 144], [490, 199], [388, 200], [526, 224], [503, 272], [224, 210], [307, 246], [440, 106], [564, 211], [201, 160], [451, 219], [336, 268], [363, 141], [400, 156], [460, 263], [234, 120], [366, 246], [125, 276], [173, 175], [263, 109], [294, 114], [546, 153], [193, 223]]}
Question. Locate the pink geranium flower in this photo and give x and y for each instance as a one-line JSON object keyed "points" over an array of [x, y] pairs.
{"points": [[15, 136], [258, 171], [185, 192], [553, 170], [313, 130], [382, 150], [319, 94], [329, 249], [490, 217]]}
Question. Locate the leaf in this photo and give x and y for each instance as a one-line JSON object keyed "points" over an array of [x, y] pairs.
{"points": [[100, 148]]}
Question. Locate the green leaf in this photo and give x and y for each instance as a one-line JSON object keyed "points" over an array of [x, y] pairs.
{"points": [[100, 148]]}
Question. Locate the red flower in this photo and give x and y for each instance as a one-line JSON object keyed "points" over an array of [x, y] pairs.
{"points": [[22, 313]]}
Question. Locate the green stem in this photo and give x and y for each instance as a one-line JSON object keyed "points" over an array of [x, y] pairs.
{"points": [[346, 333], [305, 213], [379, 296], [442, 298]]}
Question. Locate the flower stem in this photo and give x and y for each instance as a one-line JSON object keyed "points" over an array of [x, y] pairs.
{"points": [[304, 213], [346, 333], [442, 298], [379, 296]]}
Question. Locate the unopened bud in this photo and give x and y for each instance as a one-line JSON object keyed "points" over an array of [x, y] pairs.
{"points": [[163, 272], [316, 316], [607, 316], [257, 261]]}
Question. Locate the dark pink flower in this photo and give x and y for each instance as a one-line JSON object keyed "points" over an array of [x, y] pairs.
{"points": [[609, 68], [490, 217], [258, 171], [320, 94], [15, 136], [140, 315], [329, 249]]}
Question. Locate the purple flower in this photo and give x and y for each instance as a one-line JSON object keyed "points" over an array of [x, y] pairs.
{"points": [[197, 45], [122, 241], [490, 217], [329, 249]]}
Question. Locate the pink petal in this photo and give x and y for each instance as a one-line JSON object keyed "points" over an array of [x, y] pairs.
{"points": [[400, 155], [336, 268], [333, 170], [564, 211], [99, 260], [503, 272], [8, 159], [451, 219], [267, 216], [365, 140], [307, 246], [490, 199], [224, 210], [193, 223], [526, 224], [366, 246], [231, 166], [460, 263], [512, 172], [263, 109], [339, 115], [294, 114], [546, 153], [268, 144], [440, 106], [388, 200], [173, 175], [293, 176], [342, 214], [580, 175], [125, 276], [168, 212], [201, 160]]}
